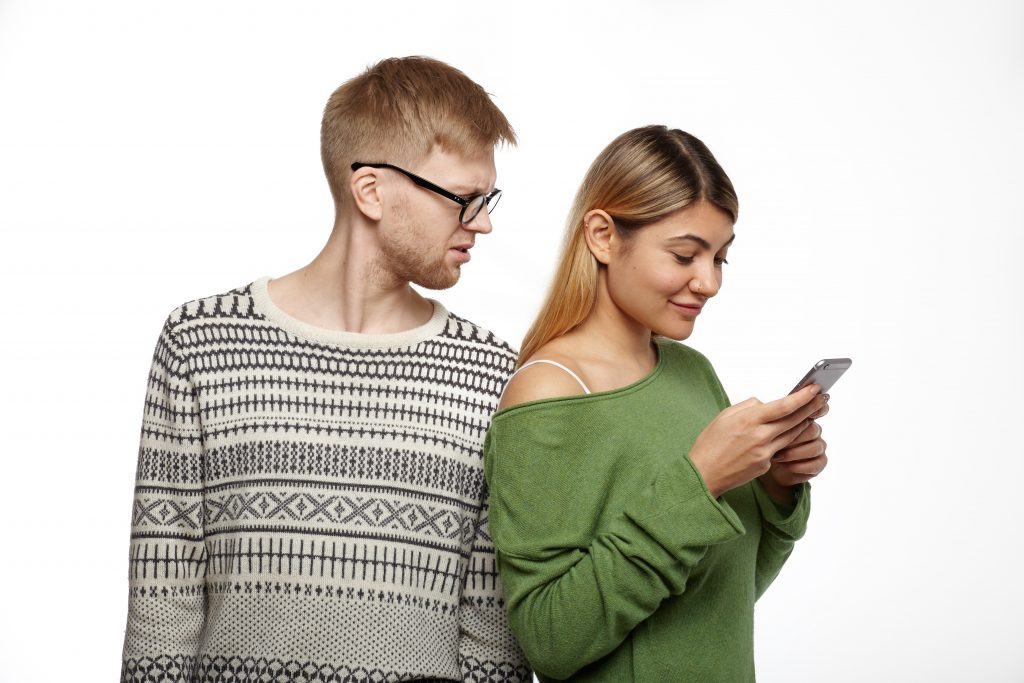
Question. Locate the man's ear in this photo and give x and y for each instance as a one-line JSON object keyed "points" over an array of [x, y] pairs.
{"points": [[599, 231], [366, 192]]}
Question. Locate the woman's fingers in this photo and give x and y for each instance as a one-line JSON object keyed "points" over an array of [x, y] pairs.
{"points": [[797, 472], [806, 450], [781, 432], [787, 405], [811, 432], [804, 412], [824, 409], [811, 467], [788, 437]]}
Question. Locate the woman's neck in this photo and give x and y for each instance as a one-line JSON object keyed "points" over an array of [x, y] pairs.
{"points": [[608, 332]]}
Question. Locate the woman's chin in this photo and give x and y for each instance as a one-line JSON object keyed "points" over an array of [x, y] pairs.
{"points": [[678, 331]]}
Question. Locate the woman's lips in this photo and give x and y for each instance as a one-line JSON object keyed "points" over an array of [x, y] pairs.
{"points": [[690, 310]]}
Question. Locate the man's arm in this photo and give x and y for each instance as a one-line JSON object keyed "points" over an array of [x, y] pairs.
{"points": [[487, 649], [167, 561]]}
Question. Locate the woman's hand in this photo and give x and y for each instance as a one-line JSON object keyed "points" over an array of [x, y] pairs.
{"points": [[739, 443], [798, 462]]}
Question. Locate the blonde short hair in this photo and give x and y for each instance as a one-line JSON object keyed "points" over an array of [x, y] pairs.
{"points": [[398, 109]]}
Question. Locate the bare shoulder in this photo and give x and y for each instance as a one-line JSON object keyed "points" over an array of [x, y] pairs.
{"points": [[542, 380]]}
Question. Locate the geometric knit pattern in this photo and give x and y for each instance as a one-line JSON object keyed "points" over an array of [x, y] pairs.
{"points": [[310, 505]]}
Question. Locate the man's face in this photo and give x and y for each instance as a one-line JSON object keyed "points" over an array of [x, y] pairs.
{"points": [[421, 238]]}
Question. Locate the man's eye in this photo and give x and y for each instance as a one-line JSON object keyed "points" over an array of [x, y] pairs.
{"points": [[685, 260]]}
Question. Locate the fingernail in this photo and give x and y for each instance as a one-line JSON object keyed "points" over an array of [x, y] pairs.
{"points": [[827, 397]]}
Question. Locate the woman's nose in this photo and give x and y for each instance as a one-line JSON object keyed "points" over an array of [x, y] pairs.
{"points": [[709, 284]]}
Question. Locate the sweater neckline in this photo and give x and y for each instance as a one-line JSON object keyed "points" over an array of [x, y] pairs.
{"points": [[659, 344], [323, 335]]}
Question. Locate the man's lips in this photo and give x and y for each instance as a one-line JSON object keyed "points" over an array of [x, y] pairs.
{"points": [[462, 252]]}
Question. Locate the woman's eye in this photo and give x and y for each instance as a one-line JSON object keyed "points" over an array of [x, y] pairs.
{"points": [[719, 261], [685, 260]]}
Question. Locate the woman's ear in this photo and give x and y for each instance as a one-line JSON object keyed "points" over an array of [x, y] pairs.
{"points": [[599, 231], [366, 193]]}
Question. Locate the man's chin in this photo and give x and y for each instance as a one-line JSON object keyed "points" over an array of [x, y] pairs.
{"points": [[439, 281]]}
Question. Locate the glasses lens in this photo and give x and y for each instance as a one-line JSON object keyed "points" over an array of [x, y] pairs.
{"points": [[493, 201], [469, 211]]}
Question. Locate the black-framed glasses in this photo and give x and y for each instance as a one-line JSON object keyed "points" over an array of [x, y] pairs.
{"points": [[471, 205]]}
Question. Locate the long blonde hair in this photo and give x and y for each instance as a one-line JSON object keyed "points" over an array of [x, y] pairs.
{"points": [[642, 176]]}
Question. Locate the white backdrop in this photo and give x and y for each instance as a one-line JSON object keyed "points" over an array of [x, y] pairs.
{"points": [[152, 153]]}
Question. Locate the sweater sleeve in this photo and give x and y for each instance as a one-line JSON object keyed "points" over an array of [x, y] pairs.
{"points": [[167, 558], [782, 526], [574, 597], [487, 648]]}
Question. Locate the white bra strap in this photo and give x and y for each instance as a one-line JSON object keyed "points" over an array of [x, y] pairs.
{"points": [[556, 364]]}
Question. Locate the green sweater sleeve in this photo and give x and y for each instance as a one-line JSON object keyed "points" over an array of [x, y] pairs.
{"points": [[782, 527], [576, 588]]}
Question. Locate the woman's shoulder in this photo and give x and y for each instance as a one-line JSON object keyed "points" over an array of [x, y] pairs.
{"points": [[689, 365], [543, 380], [678, 352]]}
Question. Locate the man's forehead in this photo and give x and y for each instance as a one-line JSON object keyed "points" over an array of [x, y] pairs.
{"points": [[464, 172]]}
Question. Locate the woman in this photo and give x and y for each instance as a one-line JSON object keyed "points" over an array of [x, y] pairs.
{"points": [[636, 515]]}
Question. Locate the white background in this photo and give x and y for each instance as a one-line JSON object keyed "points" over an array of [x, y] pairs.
{"points": [[152, 153]]}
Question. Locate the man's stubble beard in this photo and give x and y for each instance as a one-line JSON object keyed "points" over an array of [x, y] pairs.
{"points": [[403, 257]]}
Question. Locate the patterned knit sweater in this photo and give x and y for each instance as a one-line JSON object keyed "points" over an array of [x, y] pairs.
{"points": [[310, 504]]}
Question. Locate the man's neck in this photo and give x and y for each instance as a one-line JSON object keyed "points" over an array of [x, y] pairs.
{"points": [[344, 289]]}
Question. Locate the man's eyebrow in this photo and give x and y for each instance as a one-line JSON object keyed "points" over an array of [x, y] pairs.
{"points": [[466, 190], [699, 240]]}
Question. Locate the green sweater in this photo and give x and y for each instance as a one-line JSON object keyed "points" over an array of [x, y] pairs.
{"points": [[618, 564]]}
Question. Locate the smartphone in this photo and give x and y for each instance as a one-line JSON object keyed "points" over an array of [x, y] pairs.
{"points": [[825, 373]]}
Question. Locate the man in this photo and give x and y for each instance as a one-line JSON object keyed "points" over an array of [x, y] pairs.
{"points": [[310, 501]]}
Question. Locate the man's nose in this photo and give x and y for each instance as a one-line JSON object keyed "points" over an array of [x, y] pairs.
{"points": [[481, 222]]}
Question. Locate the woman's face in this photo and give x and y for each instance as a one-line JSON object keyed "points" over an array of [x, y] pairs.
{"points": [[664, 274]]}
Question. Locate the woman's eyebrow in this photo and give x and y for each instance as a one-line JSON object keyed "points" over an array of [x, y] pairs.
{"points": [[699, 240]]}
